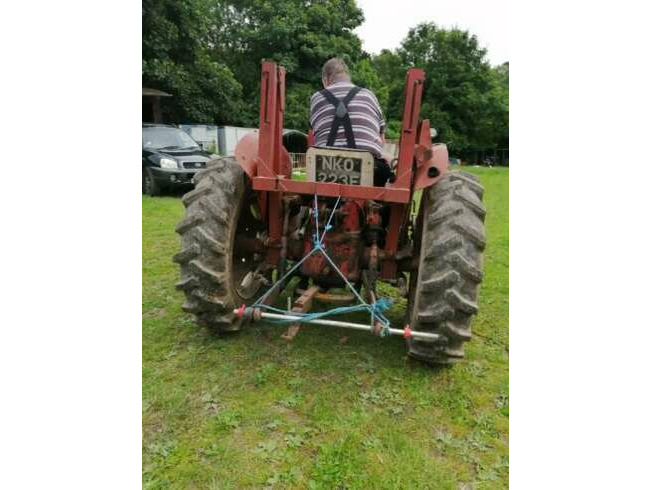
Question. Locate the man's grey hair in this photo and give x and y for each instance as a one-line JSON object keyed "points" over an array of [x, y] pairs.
{"points": [[334, 69]]}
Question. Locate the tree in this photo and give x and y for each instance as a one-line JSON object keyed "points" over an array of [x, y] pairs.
{"points": [[207, 53], [462, 96], [392, 72], [175, 58], [365, 75], [503, 71], [299, 34], [501, 104]]}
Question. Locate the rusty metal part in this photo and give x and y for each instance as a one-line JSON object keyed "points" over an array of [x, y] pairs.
{"points": [[248, 244], [326, 189], [263, 156], [267, 163], [373, 262], [302, 305], [406, 252], [291, 331], [373, 216], [381, 255], [342, 242], [299, 224], [283, 250], [432, 162], [305, 302], [407, 142], [338, 299], [368, 286], [405, 259]]}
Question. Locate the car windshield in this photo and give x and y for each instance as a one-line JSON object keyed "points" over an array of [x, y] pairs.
{"points": [[159, 138]]}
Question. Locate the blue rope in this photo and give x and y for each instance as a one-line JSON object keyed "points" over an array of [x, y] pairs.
{"points": [[317, 247], [375, 309], [316, 239], [281, 280], [328, 226]]}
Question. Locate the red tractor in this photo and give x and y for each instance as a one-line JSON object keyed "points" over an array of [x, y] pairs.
{"points": [[250, 229]]}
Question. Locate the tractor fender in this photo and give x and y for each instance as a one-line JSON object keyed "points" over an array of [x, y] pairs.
{"points": [[432, 164], [247, 155]]}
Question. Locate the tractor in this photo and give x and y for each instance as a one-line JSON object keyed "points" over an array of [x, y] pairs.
{"points": [[251, 231]]}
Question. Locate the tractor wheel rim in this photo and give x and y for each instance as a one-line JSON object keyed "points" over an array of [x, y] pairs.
{"points": [[246, 279]]}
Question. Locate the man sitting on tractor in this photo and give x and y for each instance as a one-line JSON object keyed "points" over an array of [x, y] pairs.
{"points": [[347, 116]]}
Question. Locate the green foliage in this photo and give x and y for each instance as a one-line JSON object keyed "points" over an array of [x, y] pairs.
{"points": [[501, 100], [463, 97], [297, 105], [365, 75], [393, 129], [207, 53], [203, 91], [228, 420], [392, 72], [176, 58], [299, 34]]}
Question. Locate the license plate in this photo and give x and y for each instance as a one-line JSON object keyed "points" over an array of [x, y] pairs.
{"points": [[338, 170], [349, 167]]}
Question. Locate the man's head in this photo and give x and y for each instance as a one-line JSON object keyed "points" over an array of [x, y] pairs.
{"points": [[335, 70]]}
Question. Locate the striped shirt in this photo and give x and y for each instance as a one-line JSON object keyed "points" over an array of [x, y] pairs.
{"points": [[365, 115]]}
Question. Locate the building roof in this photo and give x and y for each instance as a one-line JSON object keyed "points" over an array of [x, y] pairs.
{"points": [[154, 92]]}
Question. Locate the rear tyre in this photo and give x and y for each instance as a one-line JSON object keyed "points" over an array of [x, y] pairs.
{"points": [[149, 184], [218, 276], [443, 294]]}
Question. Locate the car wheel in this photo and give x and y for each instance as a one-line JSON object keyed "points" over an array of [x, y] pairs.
{"points": [[149, 184]]}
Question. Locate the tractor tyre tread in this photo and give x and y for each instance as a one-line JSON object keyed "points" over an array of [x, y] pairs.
{"points": [[207, 232], [471, 181], [450, 267]]}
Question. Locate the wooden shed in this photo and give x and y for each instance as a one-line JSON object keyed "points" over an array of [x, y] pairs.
{"points": [[151, 107]]}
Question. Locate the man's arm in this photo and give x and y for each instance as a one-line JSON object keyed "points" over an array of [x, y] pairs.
{"points": [[378, 113]]}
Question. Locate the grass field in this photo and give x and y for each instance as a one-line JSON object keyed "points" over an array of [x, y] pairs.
{"points": [[252, 411]]}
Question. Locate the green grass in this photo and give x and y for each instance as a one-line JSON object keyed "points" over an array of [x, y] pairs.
{"points": [[251, 411]]}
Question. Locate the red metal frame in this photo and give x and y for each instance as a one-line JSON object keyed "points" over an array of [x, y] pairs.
{"points": [[267, 163], [269, 150], [269, 177], [279, 183], [398, 212]]}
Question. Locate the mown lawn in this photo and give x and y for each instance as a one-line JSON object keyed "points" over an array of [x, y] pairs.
{"points": [[252, 411]]}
